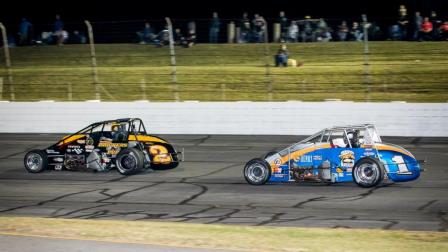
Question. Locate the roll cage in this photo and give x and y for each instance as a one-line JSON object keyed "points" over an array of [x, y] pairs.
{"points": [[369, 135], [134, 126]]}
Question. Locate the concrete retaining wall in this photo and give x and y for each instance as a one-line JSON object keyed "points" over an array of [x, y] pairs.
{"points": [[282, 118]]}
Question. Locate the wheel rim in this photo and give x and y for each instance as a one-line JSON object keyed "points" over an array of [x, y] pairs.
{"points": [[256, 173], [367, 173], [128, 161], [34, 161]]}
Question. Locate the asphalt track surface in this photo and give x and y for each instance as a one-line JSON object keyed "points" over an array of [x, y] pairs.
{"points": [[10, 243], [209, 188]]}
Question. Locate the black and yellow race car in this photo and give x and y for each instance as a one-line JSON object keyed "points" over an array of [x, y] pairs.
{"points": [[122, 144]]}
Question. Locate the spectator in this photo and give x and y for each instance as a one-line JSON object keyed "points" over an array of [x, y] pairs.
{"points": [[283, 21], [356, 33], [58, 24], [374, 31], [426, 30], [191, 37], [281, 58], [403, 23], [418, 21], [293, 32], [323, 33], [59, 32], [436, 22], [245, 29], [444, 30], [179, 39], [259, 28], [24, 32], [146, 35], [78, 38], [163, 37], [307, 34], [342, 31], [395, 32], [214, 28]]}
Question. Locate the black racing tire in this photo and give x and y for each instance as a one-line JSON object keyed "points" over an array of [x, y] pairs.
{"points": [[368, 172], [257, 171], [129, 161], [269, 154], [35, 161]]}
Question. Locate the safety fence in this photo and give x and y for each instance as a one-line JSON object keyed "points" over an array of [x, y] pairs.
{"points": [[170, 67]]}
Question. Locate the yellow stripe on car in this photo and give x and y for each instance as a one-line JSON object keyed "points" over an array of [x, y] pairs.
{"points": [[142, 138], [69, 139], [393, 148]]}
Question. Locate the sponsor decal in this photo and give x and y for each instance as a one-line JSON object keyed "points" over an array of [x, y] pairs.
{"points": [[277, 161], [50, 151], [113, 150], [369, 153], [306, 159], [81, 141], [347, 158], [110, 144], [278, 170], [74, 148], [89, 148]]}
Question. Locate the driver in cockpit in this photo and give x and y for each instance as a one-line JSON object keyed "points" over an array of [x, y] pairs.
{"points": [[118, 133], [353, 137]]}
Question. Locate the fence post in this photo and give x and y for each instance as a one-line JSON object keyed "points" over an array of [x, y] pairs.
{"points": [[268, 60], [8, 63], [173, 59], [231, 32], [277, 33], [366, 57], [93, 57], [143, 88]]}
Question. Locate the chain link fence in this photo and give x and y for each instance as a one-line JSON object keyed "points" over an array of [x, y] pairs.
{"points": [[121, 61]]}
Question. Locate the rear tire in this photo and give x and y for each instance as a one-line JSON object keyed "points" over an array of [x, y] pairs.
{"points": [[257, 171], [129, 161], [368, 172], [36, 161]]}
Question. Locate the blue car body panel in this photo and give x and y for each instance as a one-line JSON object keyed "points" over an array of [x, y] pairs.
{"points": [[399, 164]]}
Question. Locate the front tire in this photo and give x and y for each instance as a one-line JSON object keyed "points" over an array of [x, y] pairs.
{"points": [[368, 172], [129, 161], [36, 161], [257, 171], [270, 154]]}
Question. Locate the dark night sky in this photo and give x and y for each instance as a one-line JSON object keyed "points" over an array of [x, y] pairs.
{"points": [[74, 11]]}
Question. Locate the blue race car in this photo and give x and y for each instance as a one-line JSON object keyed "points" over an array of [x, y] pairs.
{"points": [[338, 154]]}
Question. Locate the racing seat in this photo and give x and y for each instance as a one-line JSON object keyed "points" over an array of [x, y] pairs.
{"points": [[338, 143]]}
